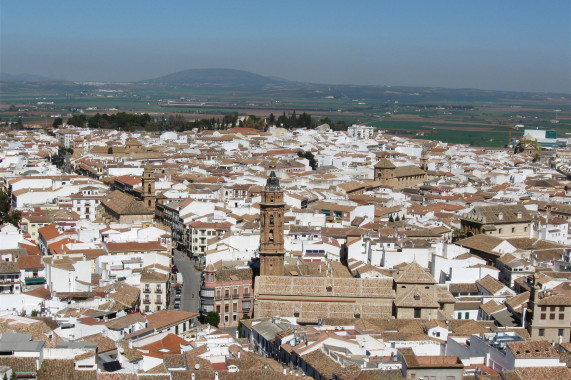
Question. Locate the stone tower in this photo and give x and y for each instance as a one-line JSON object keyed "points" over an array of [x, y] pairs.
{"points": [[424, 159], [272, 228], [148, 187], [385, 172]]}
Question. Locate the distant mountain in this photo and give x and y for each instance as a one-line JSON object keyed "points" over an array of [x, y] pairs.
{"points": [[224, 77], [5, 77]]}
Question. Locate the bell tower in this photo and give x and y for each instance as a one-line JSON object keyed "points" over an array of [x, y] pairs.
{"points": [[148, 190], [272, 228], [424, 159]]}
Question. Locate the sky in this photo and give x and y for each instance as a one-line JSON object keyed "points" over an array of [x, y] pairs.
{"points": [[493, 45]]}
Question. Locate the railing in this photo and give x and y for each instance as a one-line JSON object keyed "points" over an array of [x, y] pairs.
{"points": [[246, 309], [218, 298], [146, 290], [146, 302], [158, 291], [235, 296]]}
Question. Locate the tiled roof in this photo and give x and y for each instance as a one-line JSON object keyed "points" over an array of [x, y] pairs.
{"points": [[490, 284], [532, 349], [125, 321], [166, 318], [9, 267], [534, 373], [499, 214], [30, 262], [414, 274], [124, 204]]}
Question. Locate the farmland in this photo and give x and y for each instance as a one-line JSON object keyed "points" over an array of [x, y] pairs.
{"points": [[479, 118]]}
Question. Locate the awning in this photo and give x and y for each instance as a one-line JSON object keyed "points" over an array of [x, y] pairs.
{"points": [[35, 281]]}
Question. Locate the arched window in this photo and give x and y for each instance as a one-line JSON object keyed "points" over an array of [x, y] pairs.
{"points": [[149, 188], [271, 236], [271, 220]]}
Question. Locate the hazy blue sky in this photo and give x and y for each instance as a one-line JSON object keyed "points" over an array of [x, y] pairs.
{"points": [[504, 45]]}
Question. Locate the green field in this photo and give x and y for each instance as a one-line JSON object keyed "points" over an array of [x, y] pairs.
{"points": [[479, 118]]}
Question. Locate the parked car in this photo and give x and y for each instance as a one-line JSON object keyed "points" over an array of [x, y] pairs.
{"points": [[178, 291], [177, 305]]}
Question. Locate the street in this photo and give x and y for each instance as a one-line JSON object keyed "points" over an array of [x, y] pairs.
{"points": [[191, 283]]}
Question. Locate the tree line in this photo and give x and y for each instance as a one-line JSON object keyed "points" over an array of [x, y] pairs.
{"points": [[131, 122]]}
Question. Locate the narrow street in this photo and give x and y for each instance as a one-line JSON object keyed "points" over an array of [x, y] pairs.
{"points": [[190, 298]]}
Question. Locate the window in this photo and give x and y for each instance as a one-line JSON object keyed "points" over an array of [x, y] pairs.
{"points": [[541, 332], [467, 315], [500, 231], [417, 312], [560, 332], [460, 315], [542, 316], [513, 230], [561, 316], [552, 316]]}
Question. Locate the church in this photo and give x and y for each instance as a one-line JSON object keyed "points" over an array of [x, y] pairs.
{"points": [[310, 291], [399, 177]]}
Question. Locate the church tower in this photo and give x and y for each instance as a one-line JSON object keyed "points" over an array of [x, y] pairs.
{"points": [[148, 190], [424, 159], [272, 228], [385, 172]]}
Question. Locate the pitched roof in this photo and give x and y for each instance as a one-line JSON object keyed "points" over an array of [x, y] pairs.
{"points": [[166, 318], [413, 273], [490, 284], [497, 214], [124, 204]]}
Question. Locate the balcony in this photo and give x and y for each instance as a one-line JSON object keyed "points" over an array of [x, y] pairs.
{"points": [[245, 309], [158, 291], [246, 295], [147, 302], [218, 298], [235, 296], [147, 290]]}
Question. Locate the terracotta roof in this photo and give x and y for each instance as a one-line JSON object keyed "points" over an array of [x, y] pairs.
{"points": [[490, 284], [414, 274], [165, 318], [534, 373], [30, 262], [124, 204], [532, 349]]}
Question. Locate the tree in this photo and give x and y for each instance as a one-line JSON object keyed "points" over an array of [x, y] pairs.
{"points": [[77, 120], [7, 216], [397, 219], [326, 120], [19, 124], [304, 120], [57, 122], [271, 119], [310, 157], [212, 318], [391, 219], [239, 329]]}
